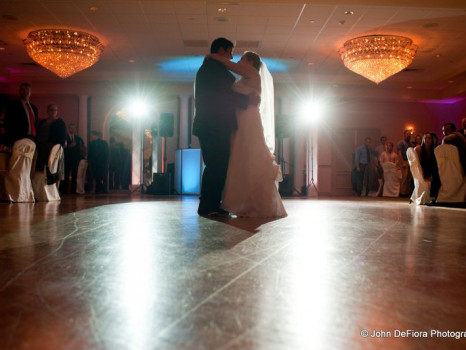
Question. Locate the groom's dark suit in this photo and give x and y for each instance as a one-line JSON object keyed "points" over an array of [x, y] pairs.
{"points": [[17, 121], [214, 120]]}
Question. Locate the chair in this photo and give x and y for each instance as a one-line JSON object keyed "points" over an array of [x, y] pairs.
{"points": [[421, 193], [391, 180], [42, 190], [18, 186], [453, 188], [81, 177]]}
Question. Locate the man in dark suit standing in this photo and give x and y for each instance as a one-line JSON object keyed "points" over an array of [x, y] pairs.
{"points": [[214, 120], [21, 119], [74, 152], [98, 161]]}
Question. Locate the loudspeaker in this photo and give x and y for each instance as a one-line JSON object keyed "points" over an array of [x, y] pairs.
{"points": [[166, 124], [161, 184], [286, 187]]}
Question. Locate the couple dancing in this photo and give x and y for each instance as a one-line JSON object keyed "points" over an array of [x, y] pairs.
{"points": [[234, 122]]}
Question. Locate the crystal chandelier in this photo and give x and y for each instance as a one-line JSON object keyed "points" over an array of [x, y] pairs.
{"points": [[63, 51], [377, 57]]}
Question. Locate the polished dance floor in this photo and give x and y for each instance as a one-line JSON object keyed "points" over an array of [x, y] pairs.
{"points": [[135, 272]]}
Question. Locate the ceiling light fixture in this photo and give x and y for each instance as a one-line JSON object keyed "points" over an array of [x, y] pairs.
{"points": [[378, 57], [63, 51]]}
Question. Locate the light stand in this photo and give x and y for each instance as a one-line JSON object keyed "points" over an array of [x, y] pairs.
{"points": [[140, 186], [306, 183], [311, 183], [164, 164]]}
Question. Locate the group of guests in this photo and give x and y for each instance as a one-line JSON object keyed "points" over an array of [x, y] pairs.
{"points": [[19, 119], [368, 176], [109, 165]]}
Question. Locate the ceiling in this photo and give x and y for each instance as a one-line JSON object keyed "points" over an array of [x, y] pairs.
{"points": [[140, 35]]}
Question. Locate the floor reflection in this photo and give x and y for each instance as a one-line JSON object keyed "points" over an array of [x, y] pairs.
{"points": [[114, 272]]}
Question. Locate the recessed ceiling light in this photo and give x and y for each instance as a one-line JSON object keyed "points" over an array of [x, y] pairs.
{"points": [[409, 87], [2, 48], [131, 61], [222, 9], [438, 55], [349, 13], [310, 64], [451, 81], [93, 8], [311, 21]]}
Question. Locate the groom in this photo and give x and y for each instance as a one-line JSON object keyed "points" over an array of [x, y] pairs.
{"points": [[214, 120]]}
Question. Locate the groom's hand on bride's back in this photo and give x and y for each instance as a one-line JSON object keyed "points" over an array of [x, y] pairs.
{"points": [[254, 99]]}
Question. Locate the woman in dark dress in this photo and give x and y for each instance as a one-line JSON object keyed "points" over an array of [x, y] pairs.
{"points": [[428, 163]]}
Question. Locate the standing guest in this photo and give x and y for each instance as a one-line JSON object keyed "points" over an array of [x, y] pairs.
{"points": [[114, 167], [373, 178], [435, 141], [455, 138], [74, 152], [21, 118], [406, 176], [417, 140], [125, 174], [362, 158], [428, 163], [98, 161], [448, 129], [463, 129], [381, 147], [51, 131]]}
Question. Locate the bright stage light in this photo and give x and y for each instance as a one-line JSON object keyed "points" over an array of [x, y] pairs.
{"points": [[139, 108], [312, 111]]}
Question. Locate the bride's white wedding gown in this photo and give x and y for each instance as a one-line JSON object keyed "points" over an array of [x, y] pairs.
{"points": [[251, 188]]}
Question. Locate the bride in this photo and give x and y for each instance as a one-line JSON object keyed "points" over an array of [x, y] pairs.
{"points": [[251, 188]]}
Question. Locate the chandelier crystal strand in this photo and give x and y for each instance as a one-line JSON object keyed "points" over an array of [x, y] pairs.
{"points": [[378, 57], [63, 51]]}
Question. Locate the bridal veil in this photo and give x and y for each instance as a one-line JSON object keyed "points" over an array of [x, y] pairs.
{"points": [[267, 107]]}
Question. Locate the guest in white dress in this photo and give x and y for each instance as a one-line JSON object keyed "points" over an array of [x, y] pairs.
{"points": [[251, 188]]}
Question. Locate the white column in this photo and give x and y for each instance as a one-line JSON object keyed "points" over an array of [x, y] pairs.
{"points": [[136, 176], [82, 118], [184, 120]]}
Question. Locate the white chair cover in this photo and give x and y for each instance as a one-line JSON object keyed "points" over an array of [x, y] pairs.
{"points": [[81, 177], [453, 188], [43, 191], [421, 193], [391, 180], [18, 184]]}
